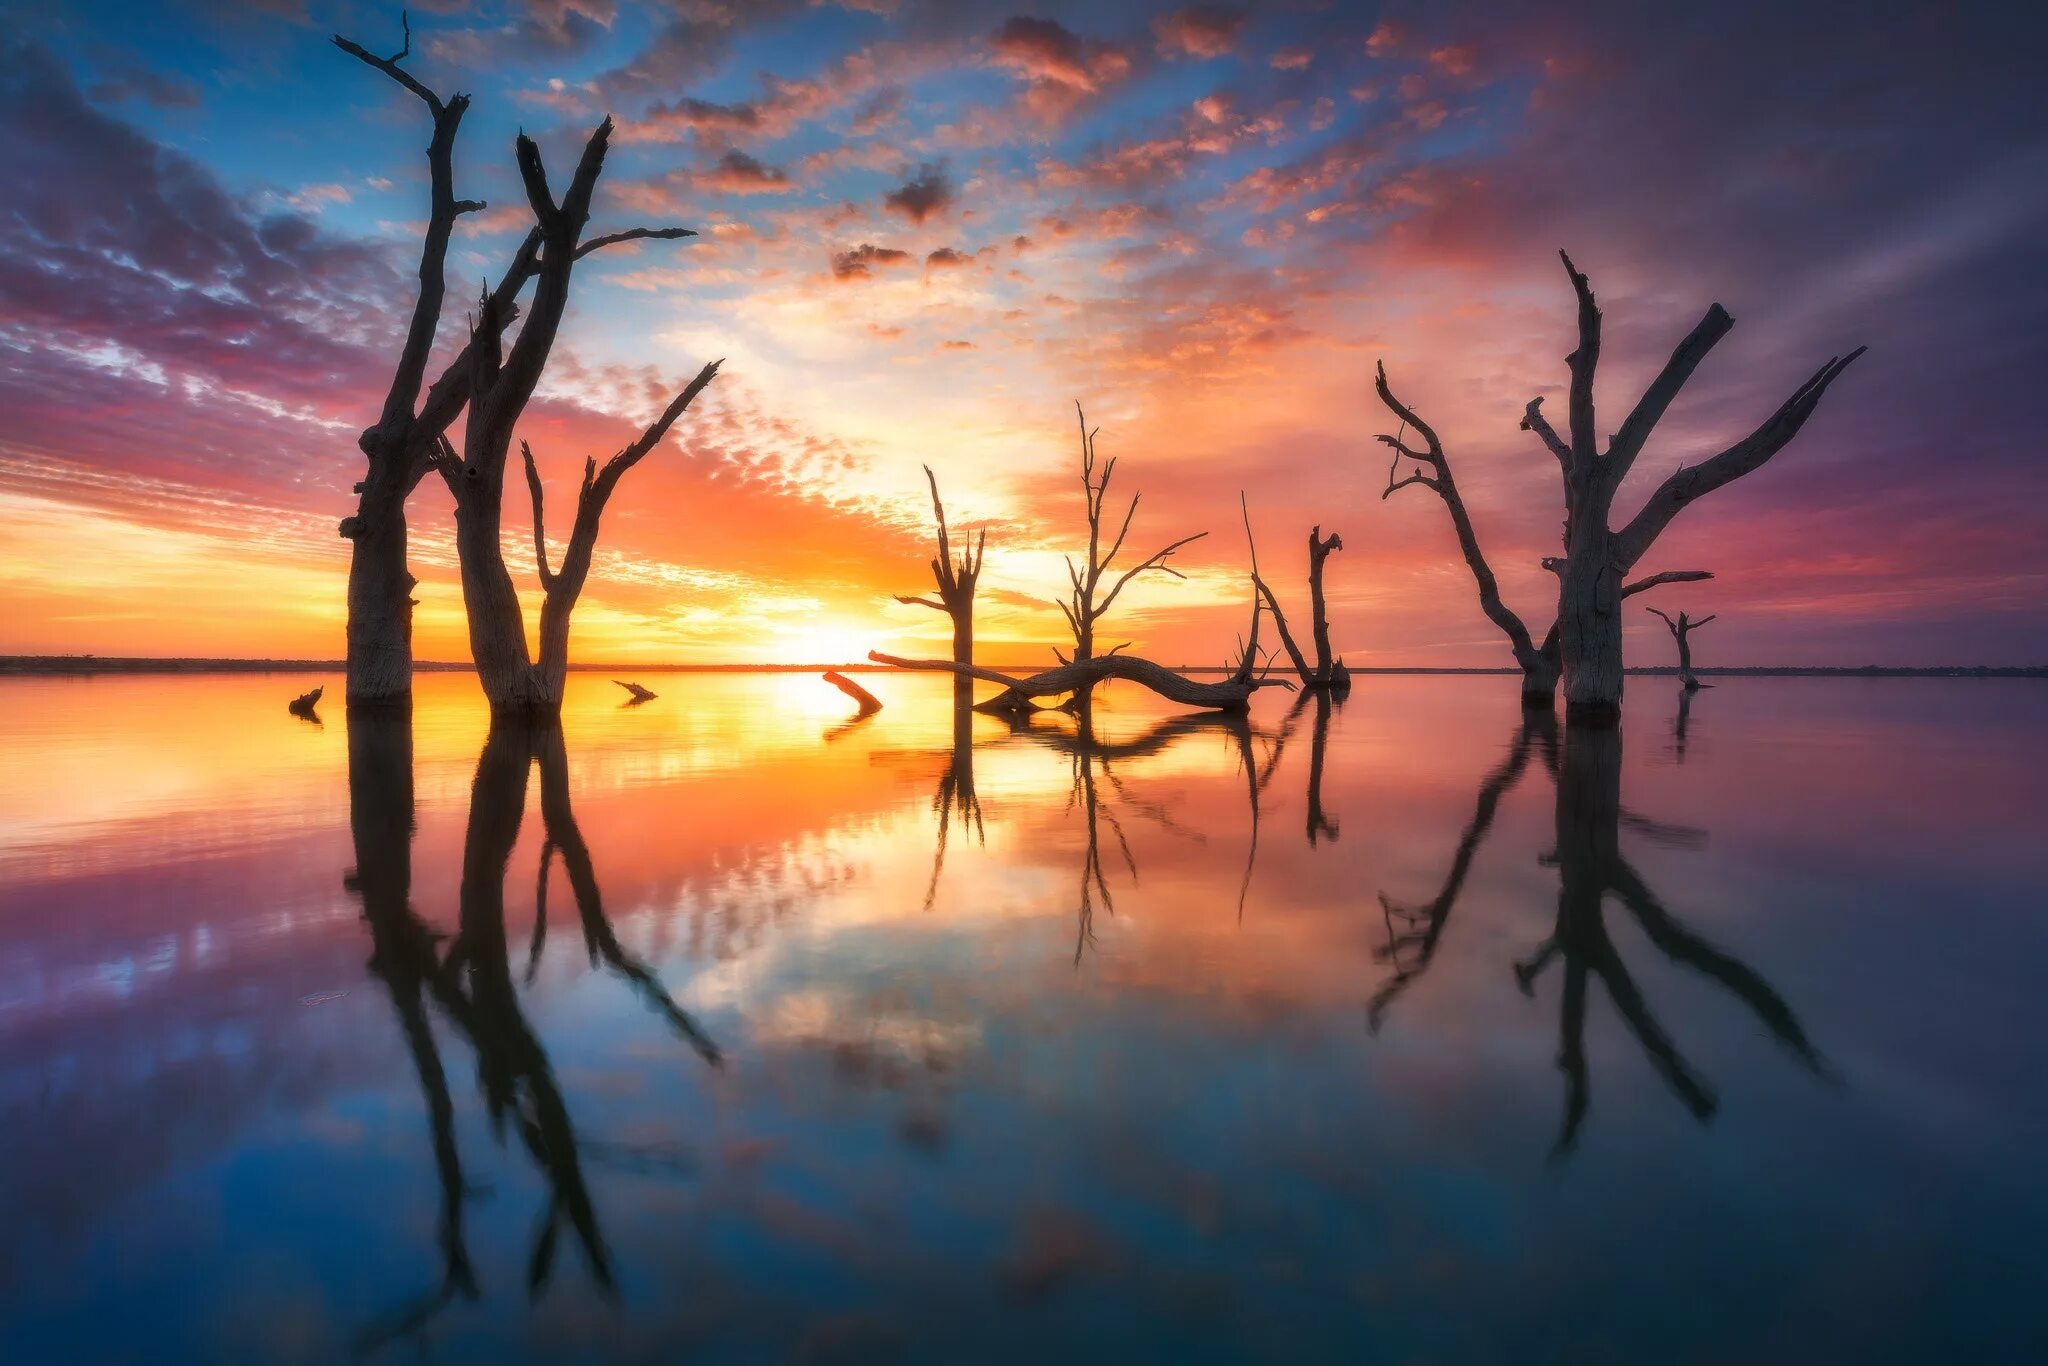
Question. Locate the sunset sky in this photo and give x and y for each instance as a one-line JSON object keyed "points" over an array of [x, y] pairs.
{"points": [[929, 228]]}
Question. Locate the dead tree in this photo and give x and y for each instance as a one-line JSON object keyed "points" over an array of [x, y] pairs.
{"points": [[1541, 664], [513, 680], [1681, 631], [1597, 557], [408, 435], [1088, 603], [1327, 675], [956, 581]]}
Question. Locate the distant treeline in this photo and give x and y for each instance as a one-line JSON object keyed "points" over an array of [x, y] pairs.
{"points": [[113, 664]]}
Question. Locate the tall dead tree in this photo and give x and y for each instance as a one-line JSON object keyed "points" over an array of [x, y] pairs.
{"points": [[409, 434], [501, 382], [1681, 631], [1541, 664], [1597, 556], [379, 582], [956, 581], [1328, 674], [1088, 602]]}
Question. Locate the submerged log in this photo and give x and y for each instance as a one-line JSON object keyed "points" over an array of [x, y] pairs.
{"points": [[869, 703], [639, 693], [1230, 694], [303, 704]]}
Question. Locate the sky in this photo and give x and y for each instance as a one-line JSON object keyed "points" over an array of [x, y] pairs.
{"points": [[928, 230]]}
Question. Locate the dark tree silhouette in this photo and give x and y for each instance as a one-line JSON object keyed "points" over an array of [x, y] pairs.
{"points": [[956, 581], [471, 982], [1414, 931], [1327, 675], [1543, 663], [1681, 631], [1597, 557], [1093, 591], [409, 437], [540, 685]]}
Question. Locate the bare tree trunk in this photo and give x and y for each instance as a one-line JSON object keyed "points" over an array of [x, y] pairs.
{"points": [[1681, 631], [380, 607], [1088, 601], [1596, 558], [380, 586], [956, 581]]}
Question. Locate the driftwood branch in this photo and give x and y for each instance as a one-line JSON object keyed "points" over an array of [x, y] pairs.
{"points": [[1229, 695]]}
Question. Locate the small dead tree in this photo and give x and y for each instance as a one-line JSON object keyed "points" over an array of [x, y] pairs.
{"points": [[562, 587], [956, 580], [1597, 556], [1088, 602], [1327, 675], [1541, 664], [1681, 631], [408, 437]]}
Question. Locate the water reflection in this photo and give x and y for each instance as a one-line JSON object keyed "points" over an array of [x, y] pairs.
{"points": [[470, 983], [927, 1130], [1586, 770]]}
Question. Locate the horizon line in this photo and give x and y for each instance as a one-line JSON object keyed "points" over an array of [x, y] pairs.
{"points": [[35, 664]]}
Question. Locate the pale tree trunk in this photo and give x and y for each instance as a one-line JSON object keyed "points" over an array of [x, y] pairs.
{"points": [[1596, 557]]}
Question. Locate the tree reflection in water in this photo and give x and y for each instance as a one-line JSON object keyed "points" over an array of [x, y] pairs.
{"points": [[1589, 819], [471, 983]]}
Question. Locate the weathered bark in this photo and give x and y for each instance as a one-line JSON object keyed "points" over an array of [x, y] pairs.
{"points": [[1230, 694], [1597, 557], [1681, 631], [1088, 603], [1542, 665], [380, 585], [956, 581], [409, 436]]}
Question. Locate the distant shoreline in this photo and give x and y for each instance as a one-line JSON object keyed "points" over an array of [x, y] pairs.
{"points": [[49, 666]]}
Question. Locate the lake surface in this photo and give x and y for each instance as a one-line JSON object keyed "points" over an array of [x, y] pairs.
{"points": [[1409, 1033]]}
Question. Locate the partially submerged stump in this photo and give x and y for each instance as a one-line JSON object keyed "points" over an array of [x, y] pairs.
{"points": [[869, 703], [303, 704], [639, 693]]}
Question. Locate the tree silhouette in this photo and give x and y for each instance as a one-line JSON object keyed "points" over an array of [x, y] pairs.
{"points": [[410, 435], [1681, 631], [1541, 664]]}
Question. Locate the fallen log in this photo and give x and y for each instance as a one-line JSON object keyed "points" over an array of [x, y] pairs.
{"points": [[1230, 694], [869, 703], [303, 704], [639, 693]]}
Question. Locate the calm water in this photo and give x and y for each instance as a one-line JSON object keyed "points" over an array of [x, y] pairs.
{"points": [[1406, 1034]]}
